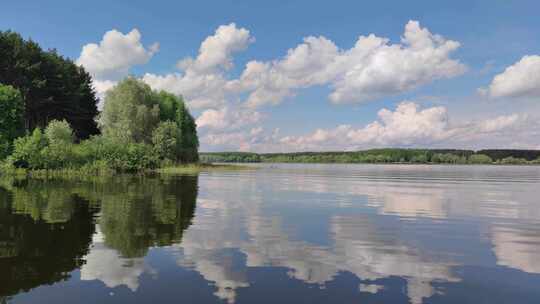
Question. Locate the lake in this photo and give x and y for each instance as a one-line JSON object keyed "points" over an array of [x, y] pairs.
{"points": [[281, 233]]}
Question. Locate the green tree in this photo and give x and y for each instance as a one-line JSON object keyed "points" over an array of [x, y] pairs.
{"points": [[189, 141], [168, 105], [130, 112], [166, 140], [173, 108], [480, 159], [53, 87], [11, 117], [59, 133], [133, 112]]}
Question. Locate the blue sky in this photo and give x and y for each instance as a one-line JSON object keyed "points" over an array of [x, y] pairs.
{"points": [[443, 104]]}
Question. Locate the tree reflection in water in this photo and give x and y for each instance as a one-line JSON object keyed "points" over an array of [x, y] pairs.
{"points": [[47, 227]]}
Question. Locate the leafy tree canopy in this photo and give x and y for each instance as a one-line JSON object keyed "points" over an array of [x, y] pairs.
{"points": [[134, 113], [52, 87], [59, 133]]}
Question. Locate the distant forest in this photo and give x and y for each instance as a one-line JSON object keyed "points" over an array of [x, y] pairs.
{"points": [[421, 156]]}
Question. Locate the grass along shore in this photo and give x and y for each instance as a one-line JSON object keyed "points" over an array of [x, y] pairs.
{"points": [[90, 172]]}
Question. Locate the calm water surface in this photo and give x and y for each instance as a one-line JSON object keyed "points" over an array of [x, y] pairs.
{"points": [[278, 234]]}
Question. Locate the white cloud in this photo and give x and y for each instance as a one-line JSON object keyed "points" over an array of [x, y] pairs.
{"points": [[306, 65], [227, 119], [410, 126], [406, 125], [227, 141], [521, 79], [202, 81], [231, 128], [500, 123], [200, 90], [115, 54], [217, 50], [376, 69], [372, 69]]}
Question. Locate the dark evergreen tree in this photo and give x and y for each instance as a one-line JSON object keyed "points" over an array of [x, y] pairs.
{"points": [[189, 141], [53, 87], [11, 117]]}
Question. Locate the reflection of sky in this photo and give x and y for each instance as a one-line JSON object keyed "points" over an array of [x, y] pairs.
{"points": [[517, 248], [360, 244], [420, 228], [106, 265]]}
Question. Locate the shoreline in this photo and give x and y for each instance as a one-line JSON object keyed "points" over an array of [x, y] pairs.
{"points": [[190, 169], [81, 173]]}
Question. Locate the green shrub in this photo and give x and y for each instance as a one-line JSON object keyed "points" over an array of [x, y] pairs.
{"points": [[27, 150], [133, 157], [94, 149], [513, 161], [105, 152]]}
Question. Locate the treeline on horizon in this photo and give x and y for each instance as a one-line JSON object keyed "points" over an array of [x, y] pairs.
{"points": [[49, 119], [418, 156]]}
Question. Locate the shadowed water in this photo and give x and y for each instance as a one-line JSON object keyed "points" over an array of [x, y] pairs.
{"points": [[278, 234]]}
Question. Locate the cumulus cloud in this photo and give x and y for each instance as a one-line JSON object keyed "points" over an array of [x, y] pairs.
{"points": [[404, 126], [226, 118], [372, 69], [409, 126], [227, 141], [201, 91], [500, 123], [376, 69], [115, 54], [231, 128], [203, 81], [306, 65], [217, 50], [521, 79]]}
